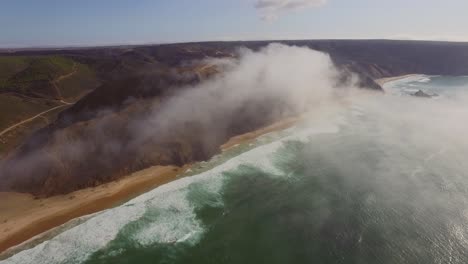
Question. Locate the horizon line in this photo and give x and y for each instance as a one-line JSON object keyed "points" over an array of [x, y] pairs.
{"points": [[110, 45]]}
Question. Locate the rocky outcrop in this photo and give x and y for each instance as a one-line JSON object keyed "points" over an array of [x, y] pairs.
{"points": [[423, 94]]}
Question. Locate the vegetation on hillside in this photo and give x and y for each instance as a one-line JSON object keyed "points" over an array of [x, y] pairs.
{"points": [[31, 85], [33, 76]]}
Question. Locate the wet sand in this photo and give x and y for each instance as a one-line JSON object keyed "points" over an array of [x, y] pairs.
{"points": [[23, 217]]}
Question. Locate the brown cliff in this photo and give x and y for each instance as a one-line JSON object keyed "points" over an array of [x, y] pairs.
{"points": [[137, 81]]}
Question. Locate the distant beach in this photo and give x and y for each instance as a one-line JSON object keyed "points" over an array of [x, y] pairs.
{"points": [[383, 81]]}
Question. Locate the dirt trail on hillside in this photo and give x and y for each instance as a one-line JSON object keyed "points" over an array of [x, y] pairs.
{"points": [[59, 79], [65, 103], [29, 120]]}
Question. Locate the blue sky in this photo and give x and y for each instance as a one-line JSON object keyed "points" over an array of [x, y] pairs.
{"points": [[26, 23]]}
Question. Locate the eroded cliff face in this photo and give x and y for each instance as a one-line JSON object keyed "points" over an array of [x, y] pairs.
{"points": [[106, 147], [99, 131]]}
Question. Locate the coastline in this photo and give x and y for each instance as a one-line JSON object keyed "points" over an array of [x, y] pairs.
{"points": [[383, 81], [251, 136], [25, 218]]}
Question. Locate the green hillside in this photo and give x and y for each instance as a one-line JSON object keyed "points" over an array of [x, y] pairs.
{"points": [[30, 85], [10, 65], [78, 83], [33, 76]]}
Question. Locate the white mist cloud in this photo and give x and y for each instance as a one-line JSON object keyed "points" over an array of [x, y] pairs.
{"points": [[255, 89], [287, 79], [252, 89], [271, 9]]}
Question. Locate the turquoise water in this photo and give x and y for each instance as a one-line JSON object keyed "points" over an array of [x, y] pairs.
{"points": [[447, 86], [357, 183]]}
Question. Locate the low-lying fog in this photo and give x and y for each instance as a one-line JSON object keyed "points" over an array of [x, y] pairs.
{"points": [[272, 83], [366, 177]]}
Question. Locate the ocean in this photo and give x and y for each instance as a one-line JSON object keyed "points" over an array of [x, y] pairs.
{"points": [[383, 180]]}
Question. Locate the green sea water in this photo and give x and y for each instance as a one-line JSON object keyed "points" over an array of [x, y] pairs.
{"points": [[358, 187]]}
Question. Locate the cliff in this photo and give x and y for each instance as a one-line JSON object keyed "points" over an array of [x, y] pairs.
{"points": [[138, 81]]}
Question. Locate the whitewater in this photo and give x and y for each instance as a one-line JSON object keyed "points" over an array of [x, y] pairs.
{"points": [[368, 179]]}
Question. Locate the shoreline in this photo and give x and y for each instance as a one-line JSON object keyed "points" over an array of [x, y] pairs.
{"points": [[251, 136], [383, 81], [24, 218]]}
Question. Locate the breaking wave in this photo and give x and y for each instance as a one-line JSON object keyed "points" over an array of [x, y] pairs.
{"points": [[362, 181]]}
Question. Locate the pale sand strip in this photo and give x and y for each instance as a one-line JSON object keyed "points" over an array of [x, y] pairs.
{"points": [[383, 81], [23, 217], [251, 136]]}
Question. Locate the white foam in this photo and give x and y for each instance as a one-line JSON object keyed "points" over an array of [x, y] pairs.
{"points": [[405, 86], [175, 221], [417, 78], [174, 217], [412, 90], [424, 80], [77, 243]]}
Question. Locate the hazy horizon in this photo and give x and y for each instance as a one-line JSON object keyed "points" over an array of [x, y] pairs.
{"points": [[90, 46], [106, 23]]}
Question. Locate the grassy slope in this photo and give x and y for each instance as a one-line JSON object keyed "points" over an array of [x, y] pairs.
{"points": [[78, 84], [27, 89], [35, 79], [13, 108], [10, 66]]}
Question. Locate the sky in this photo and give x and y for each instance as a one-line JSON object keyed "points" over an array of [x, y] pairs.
{"points": [[35, 23]]}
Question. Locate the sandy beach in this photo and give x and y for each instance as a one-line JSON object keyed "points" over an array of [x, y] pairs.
{"points": [[383, 81], [23, 217], [248, 137]]}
